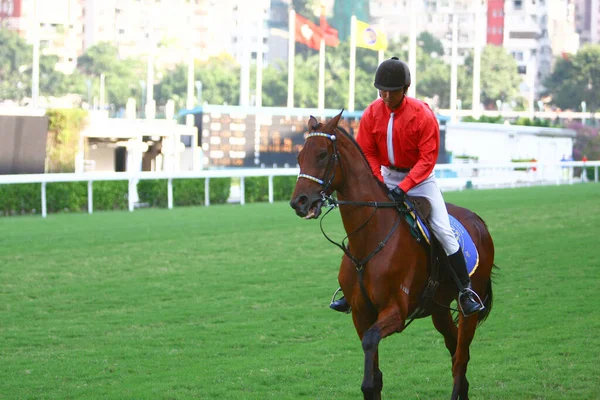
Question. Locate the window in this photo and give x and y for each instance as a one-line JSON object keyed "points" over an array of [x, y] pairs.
{"points": [[518, 4], [522, 69]]}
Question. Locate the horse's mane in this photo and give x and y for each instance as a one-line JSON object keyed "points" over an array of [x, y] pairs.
{"points": [[364, 158]]}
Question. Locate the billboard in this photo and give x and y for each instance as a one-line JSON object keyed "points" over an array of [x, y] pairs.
{"points": [[269, 137], [238, 137]]}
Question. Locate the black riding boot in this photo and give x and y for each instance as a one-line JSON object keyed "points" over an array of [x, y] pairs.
{"points": [[468, 300], [340, 305]]}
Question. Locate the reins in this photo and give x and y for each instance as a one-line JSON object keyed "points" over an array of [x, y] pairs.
{"points": [[359, 264]]}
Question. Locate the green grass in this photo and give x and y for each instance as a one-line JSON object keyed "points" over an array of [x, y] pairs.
{"points": [[230, 302]]}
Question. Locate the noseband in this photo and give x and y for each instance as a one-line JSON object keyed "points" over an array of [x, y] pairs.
{"points": [[329, 171]]}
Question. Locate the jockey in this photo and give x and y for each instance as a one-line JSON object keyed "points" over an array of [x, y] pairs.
{"points": [[400, 138]]}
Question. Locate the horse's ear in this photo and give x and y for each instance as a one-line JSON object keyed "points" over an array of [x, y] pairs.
{"points": [[312, 122], [333, 122]]}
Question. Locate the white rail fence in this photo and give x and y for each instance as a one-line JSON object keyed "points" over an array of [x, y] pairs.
{"points": [[450, 177]]}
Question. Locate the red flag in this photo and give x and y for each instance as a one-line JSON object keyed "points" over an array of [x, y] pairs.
{"points": [[329, 34], [308, 33]]}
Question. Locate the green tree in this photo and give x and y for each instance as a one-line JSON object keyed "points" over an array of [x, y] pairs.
{"points": [[220, 77], [15, 58], [500, 79], [429, 44], [122, 76], [575, 79]]}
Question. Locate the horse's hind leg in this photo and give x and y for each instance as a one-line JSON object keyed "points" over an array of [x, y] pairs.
{"points": [[460, 360]]}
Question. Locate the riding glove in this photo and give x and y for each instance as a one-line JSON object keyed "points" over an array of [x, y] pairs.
{"points": [[397, 195]]}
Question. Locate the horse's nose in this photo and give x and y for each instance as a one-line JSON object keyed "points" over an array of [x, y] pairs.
{"points": [[300, 204]]}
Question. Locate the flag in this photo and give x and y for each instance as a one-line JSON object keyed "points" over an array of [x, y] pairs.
{"points": [[369, 37], [329, 34], [308, 33]]}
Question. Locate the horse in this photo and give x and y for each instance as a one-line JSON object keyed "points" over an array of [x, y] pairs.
{"points": [[385, 271]]}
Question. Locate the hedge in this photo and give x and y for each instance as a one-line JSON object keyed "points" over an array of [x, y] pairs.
{"points": [[62, 197], [186, 192], [112, 195], [257, 188]]}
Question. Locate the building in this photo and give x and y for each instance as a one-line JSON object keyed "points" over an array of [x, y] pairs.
{"points": [[587, 20], [173, 28], [435, 17], [495, 22], [58, 25]]}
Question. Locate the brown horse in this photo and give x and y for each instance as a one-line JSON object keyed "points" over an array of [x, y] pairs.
{"points": [[385, 271]]}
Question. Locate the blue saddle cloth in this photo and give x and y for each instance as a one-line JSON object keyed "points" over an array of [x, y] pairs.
{"points": [[460, 233]]}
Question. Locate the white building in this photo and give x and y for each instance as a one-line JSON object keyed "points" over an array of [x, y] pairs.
{"points": [[435, 17], [58, 25]]}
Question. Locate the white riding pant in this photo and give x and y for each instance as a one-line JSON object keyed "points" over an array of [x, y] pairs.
{"points": [[438, 219]]}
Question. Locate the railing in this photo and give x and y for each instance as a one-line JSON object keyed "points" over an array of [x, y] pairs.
{"points": [[450, 177]]}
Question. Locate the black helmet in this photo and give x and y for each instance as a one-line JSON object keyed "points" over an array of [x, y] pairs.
{"points": [[392, 74]]}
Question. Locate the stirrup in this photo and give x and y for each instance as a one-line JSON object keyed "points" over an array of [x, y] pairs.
{"points": [[333, 300], [467, 291]]}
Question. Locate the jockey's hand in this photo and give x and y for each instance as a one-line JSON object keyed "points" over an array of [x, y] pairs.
{"points": [[397, 195]]}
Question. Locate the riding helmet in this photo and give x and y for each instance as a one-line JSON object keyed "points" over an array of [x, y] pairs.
{"points": [[392, 74]]}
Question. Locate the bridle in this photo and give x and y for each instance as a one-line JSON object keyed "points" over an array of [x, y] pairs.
{"points": [[330, 202], [330, 170]]}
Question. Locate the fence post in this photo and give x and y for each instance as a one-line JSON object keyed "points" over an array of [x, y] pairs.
{"points": [[206, 191], [596, 174], [90, 198], [44, 208], [170, 193], [270, 188], [242, 191], [130, 194]]}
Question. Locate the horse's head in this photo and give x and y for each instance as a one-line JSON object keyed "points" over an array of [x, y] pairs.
{"points": [[319, 162]]}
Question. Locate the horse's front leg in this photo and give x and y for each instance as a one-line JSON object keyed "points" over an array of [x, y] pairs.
{"points": [[389, 321], [460, 360]]}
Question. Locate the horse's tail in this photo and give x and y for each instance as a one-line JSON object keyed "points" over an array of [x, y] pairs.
{"points": [[488, 301]]}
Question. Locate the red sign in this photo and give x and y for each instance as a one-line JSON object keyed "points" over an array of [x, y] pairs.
{"points": [[10, 8]]}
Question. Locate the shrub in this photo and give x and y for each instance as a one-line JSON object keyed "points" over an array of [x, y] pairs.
{"points": [[64, 127], [186, 192], [257, 188], [110, 195]]}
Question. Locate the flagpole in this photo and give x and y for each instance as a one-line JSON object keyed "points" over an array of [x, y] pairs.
{"points": [[246, 55], [322, 75], [35, 67], [259, 64], [291, 55], [352, 63], [454, 69], [379, 61], [477, 64], [412, 51]]}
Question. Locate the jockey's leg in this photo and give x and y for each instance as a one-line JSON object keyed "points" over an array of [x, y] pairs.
{"points": [[440, 224]]}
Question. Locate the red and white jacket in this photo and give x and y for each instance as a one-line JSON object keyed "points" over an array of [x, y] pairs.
{"points": [[415, 139]]}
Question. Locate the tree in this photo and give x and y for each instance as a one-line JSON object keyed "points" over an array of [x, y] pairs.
{"points": [[220, 77], [121, 75], [429, 44], [575, 79], [500, 79], [15, 58]]}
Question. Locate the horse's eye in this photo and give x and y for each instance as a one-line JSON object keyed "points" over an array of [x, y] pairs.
{"points": [[322, 155]]}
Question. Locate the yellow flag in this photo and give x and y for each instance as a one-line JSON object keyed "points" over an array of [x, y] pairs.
{"points": [[369, 37]]}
